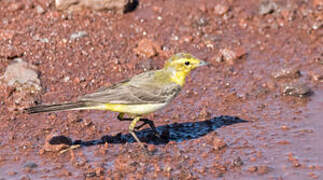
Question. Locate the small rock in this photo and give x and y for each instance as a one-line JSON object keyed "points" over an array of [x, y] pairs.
{"points": [[229, 55], [267, 7], [293, 160], [147, 48], [318, 2], [30, 165], [221, 9], [40, 10], [318, 59], [90, 174], [201, 22], [297, 89], [65, 173], [43, 40], [313, 175], [66, 79], [283, 142], [22, 75], [78, 35], [205, 114], [284, 127], [16, 6], [237, 162], [151, 148], [317, 25], [218, 143], [290, 73], [119, 6], [317, 76], [12, 173], [187, 39], [261, 170], [252, 169], [25, 177]]}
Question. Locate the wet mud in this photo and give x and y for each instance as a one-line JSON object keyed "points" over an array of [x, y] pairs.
{"points": [[254, 113]]}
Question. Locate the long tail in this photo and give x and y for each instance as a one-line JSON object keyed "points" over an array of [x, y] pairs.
{"points": [[57, 107]]}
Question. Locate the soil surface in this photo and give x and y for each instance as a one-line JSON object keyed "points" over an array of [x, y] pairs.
{"points": [[254, 113]]}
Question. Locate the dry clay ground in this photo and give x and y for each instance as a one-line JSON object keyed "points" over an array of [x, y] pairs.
{"points": [[254, 113]]}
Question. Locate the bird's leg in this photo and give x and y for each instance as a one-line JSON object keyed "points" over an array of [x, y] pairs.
{"points": [[145, 121], [132, 132], [151, 124]]}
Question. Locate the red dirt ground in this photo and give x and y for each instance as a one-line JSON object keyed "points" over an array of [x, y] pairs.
{"points": [[203, 133]]}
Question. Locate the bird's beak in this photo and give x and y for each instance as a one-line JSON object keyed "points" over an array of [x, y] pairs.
{"points": [[203, 63]]}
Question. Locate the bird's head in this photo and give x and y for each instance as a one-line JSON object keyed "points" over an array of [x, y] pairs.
{"points": [[181, 64]]}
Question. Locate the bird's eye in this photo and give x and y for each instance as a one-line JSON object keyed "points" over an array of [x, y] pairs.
{"points": [[187, 63]]}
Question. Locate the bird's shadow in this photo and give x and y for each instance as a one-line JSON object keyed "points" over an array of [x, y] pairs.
{"points": [[173, 132]]}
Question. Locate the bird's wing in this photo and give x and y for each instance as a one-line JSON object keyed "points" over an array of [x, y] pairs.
{"points": [[141, 89]]}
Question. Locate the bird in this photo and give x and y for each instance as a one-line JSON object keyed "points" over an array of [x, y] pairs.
{"points": [[142, 94]]}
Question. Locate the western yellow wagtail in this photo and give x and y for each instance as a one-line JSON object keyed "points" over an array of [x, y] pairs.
{"points": [[142, 94]]}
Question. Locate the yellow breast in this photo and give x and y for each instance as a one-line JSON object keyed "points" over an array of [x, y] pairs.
{"points": [[139, 109]]}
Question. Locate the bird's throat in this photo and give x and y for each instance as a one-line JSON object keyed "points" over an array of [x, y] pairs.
{"points": [[179, 77]]}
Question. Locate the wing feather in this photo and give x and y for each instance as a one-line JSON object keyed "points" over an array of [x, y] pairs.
{"points": [[141, 89]]}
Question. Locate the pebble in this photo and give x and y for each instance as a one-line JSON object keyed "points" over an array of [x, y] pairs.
{"points": [[12, 173], [147, 48], [25, 177], [237, 162], [16, 6], [252, 169], [318, 2], [317, 25], [201, 22], [317, 75], [90, 174], [284, 73], [66, 79], [230, 55], [267, 7], [293, 160], [119, 6], [22, 76], [43, 40], [78, 35], [284, 127], [260, 170], [297, 90], [151, 148], [40, 10], [30, 165], [221, 9], [218, 143]]}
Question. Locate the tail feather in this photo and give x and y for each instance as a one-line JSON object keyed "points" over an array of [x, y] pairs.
{"points": [[56, 107]]}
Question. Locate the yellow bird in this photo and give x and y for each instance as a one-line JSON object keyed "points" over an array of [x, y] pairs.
{"points": [[142, 94]]}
